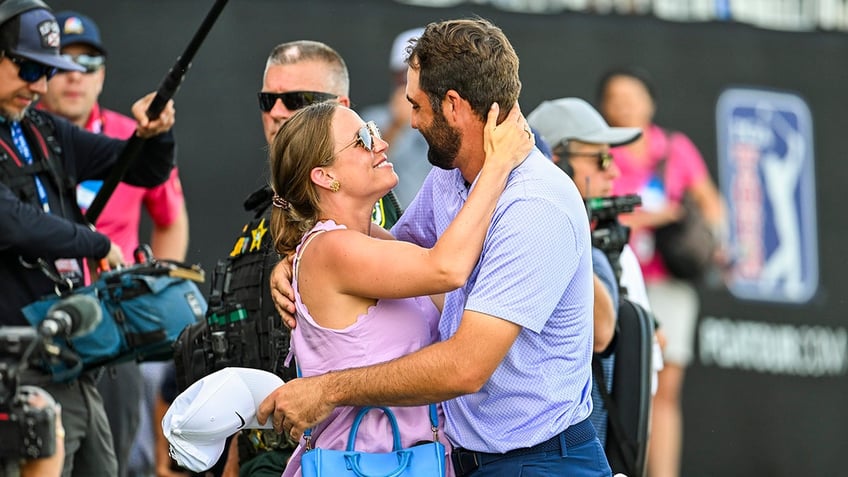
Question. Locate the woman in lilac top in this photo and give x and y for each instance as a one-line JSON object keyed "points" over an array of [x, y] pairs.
{"points": [[361, 298], [626, 99]]}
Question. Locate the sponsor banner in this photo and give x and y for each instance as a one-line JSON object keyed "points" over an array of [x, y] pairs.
{"points": [[767, 179], [795, 350]]}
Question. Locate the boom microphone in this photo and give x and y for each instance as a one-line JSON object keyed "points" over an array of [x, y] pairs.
{"points": [[72, 316], [166, 91]]}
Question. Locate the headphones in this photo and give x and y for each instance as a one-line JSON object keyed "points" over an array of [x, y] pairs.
{"points": [[564, 163], [11, 8]]}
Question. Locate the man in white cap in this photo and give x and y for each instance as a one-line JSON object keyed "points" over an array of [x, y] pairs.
{"points": [[580, 140], [42, 235]]}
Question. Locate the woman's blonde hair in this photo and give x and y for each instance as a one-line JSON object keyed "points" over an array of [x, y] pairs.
{"points": [[303, 143]]}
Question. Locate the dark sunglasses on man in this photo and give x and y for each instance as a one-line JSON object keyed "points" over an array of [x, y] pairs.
{"points": [[30, 71], [293, 100], [91, 63]]}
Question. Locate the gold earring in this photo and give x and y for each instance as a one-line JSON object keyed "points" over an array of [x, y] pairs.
{"points": [[334, 185]]}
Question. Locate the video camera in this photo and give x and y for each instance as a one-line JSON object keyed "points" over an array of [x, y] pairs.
{"points": [[29, 431], [609, 234]]}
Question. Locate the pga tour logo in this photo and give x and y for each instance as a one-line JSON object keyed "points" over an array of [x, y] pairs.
{"points": [[767, 179]]}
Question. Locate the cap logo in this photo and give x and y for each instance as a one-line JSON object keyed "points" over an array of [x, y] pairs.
{"points": [[49, 32], [73, 26]]}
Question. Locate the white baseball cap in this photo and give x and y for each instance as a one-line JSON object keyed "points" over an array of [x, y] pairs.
{"points": [[199, 421], [397, 58], [566, 119]]}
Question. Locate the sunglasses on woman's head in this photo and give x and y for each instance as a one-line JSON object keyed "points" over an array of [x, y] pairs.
{"points": [[32, 71], [293, 100]]}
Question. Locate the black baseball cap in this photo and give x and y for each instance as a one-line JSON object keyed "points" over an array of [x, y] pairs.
{"points": [[34, 35], [76, 28]]}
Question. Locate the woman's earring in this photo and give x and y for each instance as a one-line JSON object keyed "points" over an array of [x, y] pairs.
{"points": [[334, 185]]}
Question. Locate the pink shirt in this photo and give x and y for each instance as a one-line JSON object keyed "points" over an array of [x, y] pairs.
{"points": [[684, 167], [121, 216], [389, 330]]}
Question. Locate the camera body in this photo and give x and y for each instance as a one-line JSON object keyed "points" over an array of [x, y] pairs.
{"points": [[609, 235], [28, 431]]}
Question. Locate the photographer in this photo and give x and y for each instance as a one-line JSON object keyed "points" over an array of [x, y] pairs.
{"points": [[43, 237], [580, 140]]}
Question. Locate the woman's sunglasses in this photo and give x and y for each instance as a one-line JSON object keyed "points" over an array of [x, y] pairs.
{"points": [[364, 137], [32, 71], [293, 100]]}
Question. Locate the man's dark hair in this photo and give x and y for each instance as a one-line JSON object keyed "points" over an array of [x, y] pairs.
{"points": [[472, 57]]}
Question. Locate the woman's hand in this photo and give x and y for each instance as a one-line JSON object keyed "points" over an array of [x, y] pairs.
{"points": [[506, 144]]}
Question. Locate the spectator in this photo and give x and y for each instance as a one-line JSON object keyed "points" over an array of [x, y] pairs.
{"points": [[660, 166], [41, 234]]}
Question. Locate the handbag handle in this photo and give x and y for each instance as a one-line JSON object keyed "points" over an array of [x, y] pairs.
{"points": [[352, 461], [354, 428], [434, 424]]}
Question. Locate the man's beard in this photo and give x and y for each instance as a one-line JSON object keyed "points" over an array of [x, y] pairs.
{"points": [[17, 116], [443, 141]]}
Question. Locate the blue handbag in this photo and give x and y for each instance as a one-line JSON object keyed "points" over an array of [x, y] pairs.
{"points": [[426, 459]]}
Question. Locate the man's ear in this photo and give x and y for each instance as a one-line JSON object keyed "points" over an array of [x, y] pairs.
{"points": [[455, 107], [344, 101]]}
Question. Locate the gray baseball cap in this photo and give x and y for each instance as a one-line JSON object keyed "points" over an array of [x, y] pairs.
{"points": [[566, 119]]}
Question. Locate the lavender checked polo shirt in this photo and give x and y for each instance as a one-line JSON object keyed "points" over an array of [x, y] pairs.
{"points": [[535, 271]]}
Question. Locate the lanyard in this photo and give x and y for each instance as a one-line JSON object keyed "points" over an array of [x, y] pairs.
{"points": [[26, 155]]}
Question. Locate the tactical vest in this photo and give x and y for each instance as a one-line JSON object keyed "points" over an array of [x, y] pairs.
{"points": [[243, 282], [242, 327], [40, 134]]}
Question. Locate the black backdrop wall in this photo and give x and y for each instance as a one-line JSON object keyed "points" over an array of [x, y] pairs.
{"points": [[738, 422]]}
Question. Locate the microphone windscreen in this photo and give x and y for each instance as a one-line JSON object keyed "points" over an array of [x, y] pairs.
{"points": [[84, 311]]}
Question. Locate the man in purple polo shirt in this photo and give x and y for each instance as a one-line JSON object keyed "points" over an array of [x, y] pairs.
{"points": [[513, 363]]}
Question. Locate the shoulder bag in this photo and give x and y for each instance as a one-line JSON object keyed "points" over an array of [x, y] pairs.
{"points": [[687, 245]]}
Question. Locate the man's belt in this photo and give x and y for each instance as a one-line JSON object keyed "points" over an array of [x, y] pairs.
{"points": [[466, 461]]}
